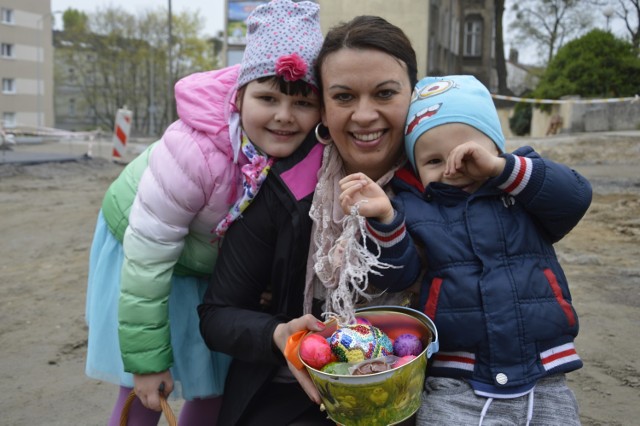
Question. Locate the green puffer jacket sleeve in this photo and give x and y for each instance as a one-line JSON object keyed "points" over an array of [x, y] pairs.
{"points": [[117, 202]]}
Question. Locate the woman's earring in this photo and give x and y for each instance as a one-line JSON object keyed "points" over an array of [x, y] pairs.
{"points": [[321, 130]]}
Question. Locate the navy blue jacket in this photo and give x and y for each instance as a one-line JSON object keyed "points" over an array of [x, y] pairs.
{"points": [[493, 284]]}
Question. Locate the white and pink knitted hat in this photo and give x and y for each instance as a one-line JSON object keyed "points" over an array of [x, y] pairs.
{"points": [[283, 39]]}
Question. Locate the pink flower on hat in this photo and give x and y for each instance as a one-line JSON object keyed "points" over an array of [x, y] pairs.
{"points": [[291, 67]]}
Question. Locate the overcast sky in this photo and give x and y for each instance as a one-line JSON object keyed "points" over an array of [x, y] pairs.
{"points": [[211, 10]]}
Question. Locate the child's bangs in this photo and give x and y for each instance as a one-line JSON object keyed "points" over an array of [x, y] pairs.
{"points": [[290, 88]]}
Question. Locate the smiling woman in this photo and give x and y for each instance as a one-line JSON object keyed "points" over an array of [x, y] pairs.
{"points": [[366, 96], [368, 70]]}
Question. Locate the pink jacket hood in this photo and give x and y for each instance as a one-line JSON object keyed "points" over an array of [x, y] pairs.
{"points": [[205, 100]]}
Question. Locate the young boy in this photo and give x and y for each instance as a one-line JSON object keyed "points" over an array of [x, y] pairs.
{"points": [[487, 221]]}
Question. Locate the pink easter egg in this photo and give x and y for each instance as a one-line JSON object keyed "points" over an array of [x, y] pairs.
{"points": [[315, 351], [403, 360]]}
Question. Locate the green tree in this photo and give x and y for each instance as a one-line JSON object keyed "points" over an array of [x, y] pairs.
{"points": [[75, 20], [595, 65], [628, 11]]}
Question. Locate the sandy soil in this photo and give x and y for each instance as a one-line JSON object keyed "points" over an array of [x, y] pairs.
{"points": [[47, 215]]}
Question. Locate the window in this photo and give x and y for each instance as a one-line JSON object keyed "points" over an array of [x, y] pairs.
{"points": [[473, 37], [9, 119], [6, 50], [72, 108], [8, 85], [6, 16]]}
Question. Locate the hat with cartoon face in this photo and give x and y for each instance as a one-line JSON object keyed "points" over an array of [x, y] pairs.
{"points": [[283, 39], [451, 99]]}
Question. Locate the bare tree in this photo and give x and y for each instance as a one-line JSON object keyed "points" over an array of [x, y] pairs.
{"points": [[121, 60], [548, 24], [630, 12]]}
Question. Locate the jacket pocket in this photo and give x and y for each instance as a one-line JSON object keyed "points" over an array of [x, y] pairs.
{"points": [[557, 292], [431, 305]]}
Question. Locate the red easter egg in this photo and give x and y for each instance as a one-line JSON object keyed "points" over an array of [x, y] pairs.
{"points": [[315, 351]]}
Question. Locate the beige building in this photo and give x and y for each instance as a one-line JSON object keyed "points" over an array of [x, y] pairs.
{"points": [[449, 36], [26, 64]]}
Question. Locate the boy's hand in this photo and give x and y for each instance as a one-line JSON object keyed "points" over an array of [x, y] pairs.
{"points": [[473, 160], [371, 199]]}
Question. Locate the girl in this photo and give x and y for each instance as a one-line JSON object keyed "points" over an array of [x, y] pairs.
{"points": [[155, 242]]}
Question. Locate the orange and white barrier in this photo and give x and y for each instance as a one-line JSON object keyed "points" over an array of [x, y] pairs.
{"points": [[121, 133]]}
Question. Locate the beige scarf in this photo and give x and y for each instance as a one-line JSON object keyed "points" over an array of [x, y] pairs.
{"points": [[339, 262]]}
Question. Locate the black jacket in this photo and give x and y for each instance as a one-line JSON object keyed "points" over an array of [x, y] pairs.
{"points": [[266, 249]]}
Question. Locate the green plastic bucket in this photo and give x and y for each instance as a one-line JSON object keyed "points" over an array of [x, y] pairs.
{"points": [[384, 398]]}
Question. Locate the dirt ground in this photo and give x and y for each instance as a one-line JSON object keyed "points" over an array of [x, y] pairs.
{"points": [[47, 216]]}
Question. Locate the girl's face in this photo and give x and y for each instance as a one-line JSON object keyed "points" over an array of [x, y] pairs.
{"points": [[275, 122], [366, 96], [432, 150]]}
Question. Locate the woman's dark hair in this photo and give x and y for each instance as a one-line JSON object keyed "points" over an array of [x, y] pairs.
{"points": [[370, 32]]}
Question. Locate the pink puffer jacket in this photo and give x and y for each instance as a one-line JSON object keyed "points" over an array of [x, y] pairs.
{"points": [[186, 189]]}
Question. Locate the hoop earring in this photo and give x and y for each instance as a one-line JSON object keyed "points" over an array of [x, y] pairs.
{"points": [[323, 140]]}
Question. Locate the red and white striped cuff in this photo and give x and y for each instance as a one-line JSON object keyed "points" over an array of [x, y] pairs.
{"points": [[390, 238], [519, 177], [554, 357]]}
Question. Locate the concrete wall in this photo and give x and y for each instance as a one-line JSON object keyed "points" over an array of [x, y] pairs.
{"points": [[504, 114], [580, 117]]}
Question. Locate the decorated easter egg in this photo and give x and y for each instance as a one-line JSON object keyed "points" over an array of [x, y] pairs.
{"points": [[407, 344], [354, 343], [362, 320], [315, 351]]}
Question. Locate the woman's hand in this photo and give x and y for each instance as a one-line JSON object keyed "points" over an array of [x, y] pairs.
{"points": [[359, 189], [147, 388], [281, 335]]}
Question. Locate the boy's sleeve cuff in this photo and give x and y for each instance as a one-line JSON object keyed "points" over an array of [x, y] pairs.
{"points": [[516, 174], [387, 235]]}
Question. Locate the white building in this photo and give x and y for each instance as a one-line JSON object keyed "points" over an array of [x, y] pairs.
{"points": [[26, 64]]}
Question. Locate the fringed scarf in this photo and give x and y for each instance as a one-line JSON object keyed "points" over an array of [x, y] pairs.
{"points": [[254, 175], [339, 262]]}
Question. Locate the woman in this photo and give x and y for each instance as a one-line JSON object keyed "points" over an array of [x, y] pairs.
{"points": [[366, 98], [367, 69]]}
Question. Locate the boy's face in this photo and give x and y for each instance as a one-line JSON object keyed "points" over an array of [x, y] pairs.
{"points": [[432, 150], [275, 122]]}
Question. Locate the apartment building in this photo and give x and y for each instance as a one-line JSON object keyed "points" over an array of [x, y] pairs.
{"points": [[26, 64]]}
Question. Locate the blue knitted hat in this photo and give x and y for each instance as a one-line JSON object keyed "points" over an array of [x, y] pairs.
{"points": [[451, 99]]}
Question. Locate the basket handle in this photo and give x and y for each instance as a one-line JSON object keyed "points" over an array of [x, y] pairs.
{"points": [[166, 409]]}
